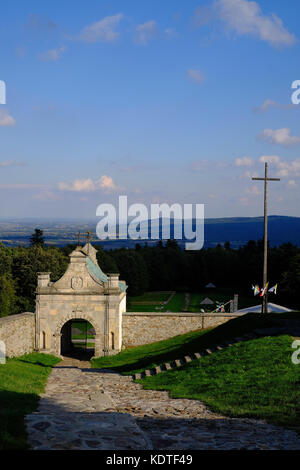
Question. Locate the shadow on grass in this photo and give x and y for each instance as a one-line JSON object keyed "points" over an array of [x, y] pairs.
{"points": [[139, 358], [14, 406]]}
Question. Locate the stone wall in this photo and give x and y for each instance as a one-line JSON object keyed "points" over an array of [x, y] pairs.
{"points": [[138, 328], [144, 328], [18, 333]]}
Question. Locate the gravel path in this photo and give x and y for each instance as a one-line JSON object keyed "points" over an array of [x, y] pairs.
{"points": [[84, 408]]}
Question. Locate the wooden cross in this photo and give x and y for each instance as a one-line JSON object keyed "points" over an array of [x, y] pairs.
{"points": [[88, 240], [265, 272]]}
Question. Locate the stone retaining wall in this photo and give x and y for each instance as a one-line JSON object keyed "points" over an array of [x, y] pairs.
{"points": [[146, 327], [18, 333]]}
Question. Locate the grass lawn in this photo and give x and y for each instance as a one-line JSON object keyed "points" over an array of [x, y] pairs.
{"points": [[252, 379], [148, 302], [22, 379], [137, 359], [221, 296], [82, 326], [152, 301], [157, 297], [176, 304]]}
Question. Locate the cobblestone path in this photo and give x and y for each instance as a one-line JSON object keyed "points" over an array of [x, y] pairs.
{"points": [[85, 408]]}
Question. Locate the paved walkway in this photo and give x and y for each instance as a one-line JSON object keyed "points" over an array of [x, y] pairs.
{"points": [[85, 408]]}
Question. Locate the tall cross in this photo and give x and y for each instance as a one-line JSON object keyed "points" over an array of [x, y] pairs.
{"points": [[78, 238], [265, 267]]}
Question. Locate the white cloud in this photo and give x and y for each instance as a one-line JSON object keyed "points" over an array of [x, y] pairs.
{"points": [[146, 31], [52, 55], [47, 196], [291, 184], [102, 31], [9, 163], [253, 190], [170, 33], [284, 169], [104, 183], [196, 76], [269, 158], [245, 17], [272, 104], [247, 175], [6, 120], [279, 136], [244, 161], [289, 168]]}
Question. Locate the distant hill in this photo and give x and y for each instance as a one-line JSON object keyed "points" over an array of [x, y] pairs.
{"points": [[236, 230]]}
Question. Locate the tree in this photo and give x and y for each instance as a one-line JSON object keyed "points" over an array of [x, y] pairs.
{"points": [[290, 283], [7, 295], [27, 263], [132, 269], [106, 261], [37, 238]]}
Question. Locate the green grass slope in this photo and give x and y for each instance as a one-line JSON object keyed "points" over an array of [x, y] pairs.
{"points": [[139, 358], [22, 380], [253, 379]]}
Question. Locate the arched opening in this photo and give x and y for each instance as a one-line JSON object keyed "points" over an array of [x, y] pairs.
{"points": [[77, 339]]}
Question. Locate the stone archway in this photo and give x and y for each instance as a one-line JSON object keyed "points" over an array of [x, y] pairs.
{"points": [[67, 318]]}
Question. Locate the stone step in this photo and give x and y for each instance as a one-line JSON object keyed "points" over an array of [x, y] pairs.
{"points": [[197, 355], [187, 359], [138, 376], [209, 350]]}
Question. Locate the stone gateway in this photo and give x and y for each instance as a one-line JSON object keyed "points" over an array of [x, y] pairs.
{"points": [[83, 292]]}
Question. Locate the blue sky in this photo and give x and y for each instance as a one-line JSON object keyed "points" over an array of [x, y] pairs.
{"points": [[167, 101]]}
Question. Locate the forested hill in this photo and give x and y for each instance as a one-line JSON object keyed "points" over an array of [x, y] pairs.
{"points": [[236, 230]]}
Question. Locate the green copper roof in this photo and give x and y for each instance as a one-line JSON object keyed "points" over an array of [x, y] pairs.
{"points": [[99, 274], [96, 270]]}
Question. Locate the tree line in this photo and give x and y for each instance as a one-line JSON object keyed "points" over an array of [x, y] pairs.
{"points": [[161, 267]]}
